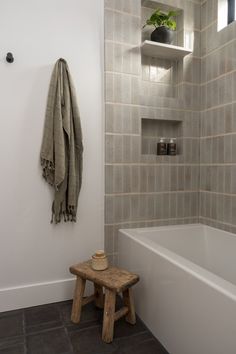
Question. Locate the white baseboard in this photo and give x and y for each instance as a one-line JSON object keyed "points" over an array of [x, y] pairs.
{"points": [[37, 294]]}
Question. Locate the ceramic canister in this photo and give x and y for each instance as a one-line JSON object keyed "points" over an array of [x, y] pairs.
{"points": [[99, 260]]}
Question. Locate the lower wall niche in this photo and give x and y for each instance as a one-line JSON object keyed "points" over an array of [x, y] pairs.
{"points": [[154, 129]]}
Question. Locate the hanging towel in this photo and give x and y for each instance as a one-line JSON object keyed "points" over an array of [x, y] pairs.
{"points": [[62, 148]]}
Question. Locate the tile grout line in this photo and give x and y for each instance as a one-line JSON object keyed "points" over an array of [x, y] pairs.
{"points": [[218, 77], [24, 331], [217, 106], [217, 164], [218, 48], [151, 137], [217, 135], [150, 164], [215, 221], [150, 193], [199, 168], [68, 337], [154, 107], [209, 25], [218, 193], [152, 220], [122, 12]]}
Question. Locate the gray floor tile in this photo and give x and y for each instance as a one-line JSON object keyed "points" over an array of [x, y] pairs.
{"points": [[18, 349], [89, 341], [125, 342], [9, 342], [40, 318], [51, 342], [151, 346], [11, 324], [124, 329], [89, 313]]}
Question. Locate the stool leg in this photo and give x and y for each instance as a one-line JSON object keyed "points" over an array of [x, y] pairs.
{"points": [[77, 301], [129, 302], [109, 316], [98, 293]]}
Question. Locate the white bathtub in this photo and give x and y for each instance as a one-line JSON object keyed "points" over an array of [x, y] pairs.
{"points": [[187, 289]]}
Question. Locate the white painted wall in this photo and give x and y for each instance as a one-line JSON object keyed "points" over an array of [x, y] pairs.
{"points": [[35, 255]]}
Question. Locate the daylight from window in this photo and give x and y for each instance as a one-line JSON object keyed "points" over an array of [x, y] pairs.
{"points": [[226, 13]]}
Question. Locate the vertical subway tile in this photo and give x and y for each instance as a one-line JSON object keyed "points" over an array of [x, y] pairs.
{"points": [[109, 209], [109, 24], [117, 179], [228, 175], [228, 156], [118, 148], [233, 179], [233, 204], [109, 64], [127, 183], [126, 208], [109, 239], [135, 178], [109, 175], [109, 148], [227, 217], [109, 84], [135, 207]]}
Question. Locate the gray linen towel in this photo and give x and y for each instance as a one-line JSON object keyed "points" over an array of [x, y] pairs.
{"points": [[62, 148]]}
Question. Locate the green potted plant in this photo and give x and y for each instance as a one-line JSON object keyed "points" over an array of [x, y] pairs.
{"points": [[164, 24]]}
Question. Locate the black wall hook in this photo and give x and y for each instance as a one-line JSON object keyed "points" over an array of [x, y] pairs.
{"points": [[9, 58]]}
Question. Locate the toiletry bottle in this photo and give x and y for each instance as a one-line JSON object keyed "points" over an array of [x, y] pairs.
{"points": [[171, 147], [162, 147]]}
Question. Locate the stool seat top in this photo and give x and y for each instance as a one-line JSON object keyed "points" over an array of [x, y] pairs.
{"points": [[112, 278]]}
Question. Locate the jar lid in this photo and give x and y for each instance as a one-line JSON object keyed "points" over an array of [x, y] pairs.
{"points": [[99, 254]]}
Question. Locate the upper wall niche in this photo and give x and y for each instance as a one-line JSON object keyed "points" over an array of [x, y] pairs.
{"points": [[176, 51], [160, 62], [147, 9]]}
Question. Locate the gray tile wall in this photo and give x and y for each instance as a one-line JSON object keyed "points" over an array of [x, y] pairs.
{"points": [[145, 189], [218, 121]]}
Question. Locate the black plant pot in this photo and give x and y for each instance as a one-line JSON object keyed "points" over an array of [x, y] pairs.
{"points": [[162, 34]]}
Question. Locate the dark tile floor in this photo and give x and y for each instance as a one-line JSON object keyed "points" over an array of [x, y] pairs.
{"points": [[47, 329]]}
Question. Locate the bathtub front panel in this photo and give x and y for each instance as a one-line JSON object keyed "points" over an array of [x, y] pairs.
{"points": [[185, 313]]}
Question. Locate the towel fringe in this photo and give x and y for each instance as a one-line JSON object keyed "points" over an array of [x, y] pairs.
{"points": [[48, 170], [47, 164], [68, 215]]}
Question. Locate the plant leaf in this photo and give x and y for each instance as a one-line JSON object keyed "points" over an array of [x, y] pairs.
{"points": [[159, 18], [172, 14]]}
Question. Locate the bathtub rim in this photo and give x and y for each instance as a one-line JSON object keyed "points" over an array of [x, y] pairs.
{"points": [[216, 282]]}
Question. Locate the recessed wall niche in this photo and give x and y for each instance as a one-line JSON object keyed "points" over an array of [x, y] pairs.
{"points": [[153, 129], [161, 75], [148, 8]]}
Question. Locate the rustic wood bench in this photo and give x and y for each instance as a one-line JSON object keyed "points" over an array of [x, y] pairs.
{"points": [[114, 280]]}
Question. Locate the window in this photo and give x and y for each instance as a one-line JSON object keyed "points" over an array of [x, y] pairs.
{"points": [[231, 11], [226, 13]]}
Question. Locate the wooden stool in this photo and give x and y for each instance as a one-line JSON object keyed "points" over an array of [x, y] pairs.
{"points": [[114, 280]]}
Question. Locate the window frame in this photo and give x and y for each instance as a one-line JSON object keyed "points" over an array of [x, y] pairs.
{"points": [[231, 11]]}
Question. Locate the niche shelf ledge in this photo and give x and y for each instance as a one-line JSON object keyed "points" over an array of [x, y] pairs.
{"points": [[161, 50]]}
